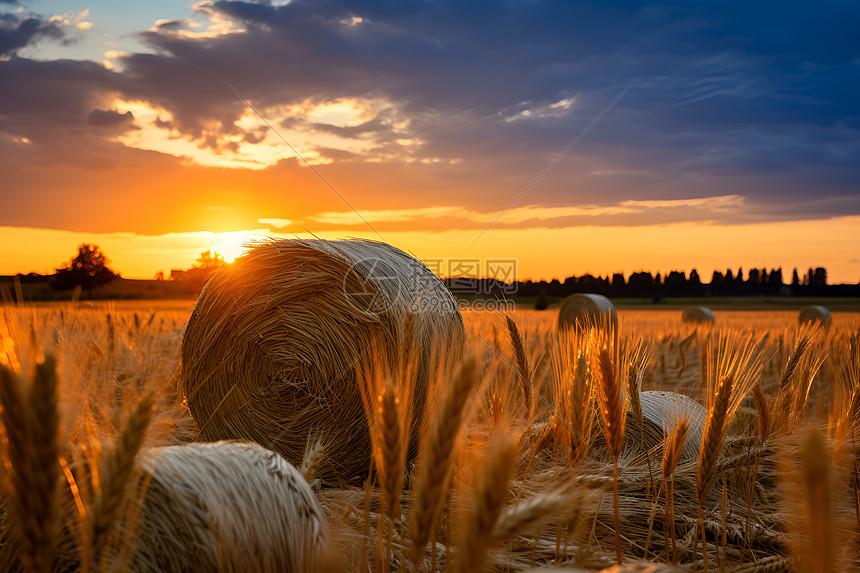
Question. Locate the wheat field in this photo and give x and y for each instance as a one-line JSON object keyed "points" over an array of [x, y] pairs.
{"points": [[536, 449]]}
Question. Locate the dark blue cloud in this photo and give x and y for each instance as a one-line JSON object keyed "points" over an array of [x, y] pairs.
{"points": [[16, 33], [756, 99]]}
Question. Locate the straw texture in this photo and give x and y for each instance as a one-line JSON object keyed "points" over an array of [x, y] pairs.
{"points": [[582, 310], [272, 349], [227, 506], [661, 412]]}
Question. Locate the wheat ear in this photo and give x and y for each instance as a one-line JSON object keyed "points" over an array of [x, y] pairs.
{"points": [[529, 514], [672, 449], [312, 459], [437, 458], [115, 472], [487, 502], [612, 414], [634, 386], [524, 369], [763, 410], [712, 446], [390, 450], [31, 425], [794, 359], [611, 403], [764, 427]]}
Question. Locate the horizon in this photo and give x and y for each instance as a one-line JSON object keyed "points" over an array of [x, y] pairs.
{"points": [[576, 138], [502, 271]]}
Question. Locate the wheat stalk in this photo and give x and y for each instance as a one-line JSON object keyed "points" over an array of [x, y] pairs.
{"points": [[524, 369], [763, 410], [764, 423], [672, 449], [612, 413], [312, 459], [714, 437], [115, 471], [794, 359], [528, 514], [712, 447], [390, 448], [634, 386], [611, 403], [435, 465], [31, 423], [487, 502]]}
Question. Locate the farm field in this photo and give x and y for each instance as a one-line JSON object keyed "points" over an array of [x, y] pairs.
{"points": [[558, 450]]}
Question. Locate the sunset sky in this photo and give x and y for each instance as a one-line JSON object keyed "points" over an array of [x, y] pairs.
{"points": [[589, 137]]}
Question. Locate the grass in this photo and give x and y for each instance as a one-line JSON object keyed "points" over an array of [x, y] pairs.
{"points": [[522, 456]]}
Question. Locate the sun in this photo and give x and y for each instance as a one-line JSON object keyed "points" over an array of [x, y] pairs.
{"points": [[232, 245]]}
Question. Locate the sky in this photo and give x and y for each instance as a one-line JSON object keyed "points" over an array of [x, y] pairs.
{"points": [[571, 137]]}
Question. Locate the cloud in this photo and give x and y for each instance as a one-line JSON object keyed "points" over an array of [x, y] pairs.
{"points": [[110, 119], [528, 111], [16, 33], [415, 104], [722, 209]]}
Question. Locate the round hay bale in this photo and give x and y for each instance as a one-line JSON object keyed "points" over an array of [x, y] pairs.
{"points": [[815, 314], [227, 506], [698, 315], [272, 350], [661, 412], [582, 310]]}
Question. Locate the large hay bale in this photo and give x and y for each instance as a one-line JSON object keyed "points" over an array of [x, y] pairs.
{"points": [[698, 315], [273, 347], [661, 412], [227, 506], [582, 310], [815, 314]]}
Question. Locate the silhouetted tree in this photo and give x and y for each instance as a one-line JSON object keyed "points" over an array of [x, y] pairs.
{"points": [[754, 281], [207, 263], [640, 284], [88, 269], [774, 281], [819, 277], [619, 286], [694, 284], [676, 283]]}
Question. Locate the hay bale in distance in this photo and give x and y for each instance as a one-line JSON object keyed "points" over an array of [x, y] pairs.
{"points": [[581, 310], [272, 349], [815, 314], [227, 506], [698, 315]]}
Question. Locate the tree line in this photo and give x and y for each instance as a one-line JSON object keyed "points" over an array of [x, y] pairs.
{"points": [[756, 282], [89, 269]]}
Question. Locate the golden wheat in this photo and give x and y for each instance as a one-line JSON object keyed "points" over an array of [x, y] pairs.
{"points": [[435, 462]]}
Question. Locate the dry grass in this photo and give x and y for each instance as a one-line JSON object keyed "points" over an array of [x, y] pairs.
{"points": [[502, 489]]}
